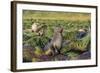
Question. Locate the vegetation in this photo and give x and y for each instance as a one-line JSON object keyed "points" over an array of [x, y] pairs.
{"points": [[71, 22]]}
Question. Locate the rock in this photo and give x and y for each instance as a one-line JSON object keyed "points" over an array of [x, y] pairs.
{"points": [[60, 57], [85, 55]]}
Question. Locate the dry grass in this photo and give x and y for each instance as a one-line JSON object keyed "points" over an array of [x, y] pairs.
{"points": [[72, 16]]}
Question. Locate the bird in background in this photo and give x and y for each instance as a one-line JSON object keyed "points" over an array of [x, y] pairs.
{"points": [[54, 46], [81, 33]]}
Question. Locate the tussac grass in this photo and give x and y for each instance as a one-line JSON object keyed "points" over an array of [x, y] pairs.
{"points": [[71, 23]]}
